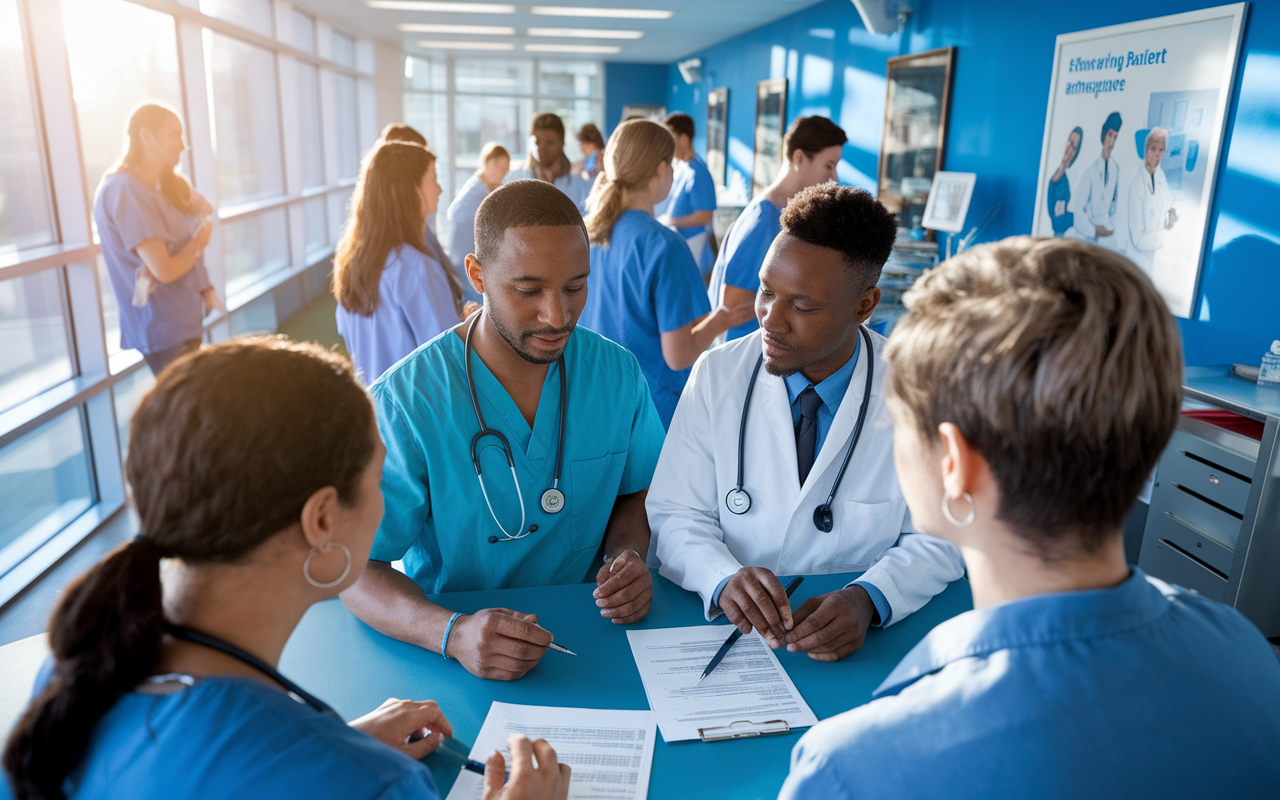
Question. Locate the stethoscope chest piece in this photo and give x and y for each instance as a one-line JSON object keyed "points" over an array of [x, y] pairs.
{"points": [[552, 501], [823, 518], [738, 501]]}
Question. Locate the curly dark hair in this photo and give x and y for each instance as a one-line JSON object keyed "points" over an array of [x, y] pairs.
{"points": [[846, 219]]}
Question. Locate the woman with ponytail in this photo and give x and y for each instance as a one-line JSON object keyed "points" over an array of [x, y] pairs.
{"points": [[645, 291], [153, 229], [393, 293], [255, 468]]}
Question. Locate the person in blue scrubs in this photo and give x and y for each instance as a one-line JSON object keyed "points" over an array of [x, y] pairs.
{"points": [[693, 192], [645, 292], [393, 295], [160, 691], [504, 519], [812, 146], [1058, 197], [154, 228], [1033, 385], [460, 220], [548, 162]]}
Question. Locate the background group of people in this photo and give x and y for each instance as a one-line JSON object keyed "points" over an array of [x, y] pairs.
{"points": [[1005, 429]]}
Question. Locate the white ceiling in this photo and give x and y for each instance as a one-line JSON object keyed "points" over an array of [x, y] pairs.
{"points": [[695, 24]]}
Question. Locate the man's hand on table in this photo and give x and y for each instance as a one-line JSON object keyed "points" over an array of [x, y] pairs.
{"points": [[832, 625], [498, 643], [753, 598], [624, 589]]}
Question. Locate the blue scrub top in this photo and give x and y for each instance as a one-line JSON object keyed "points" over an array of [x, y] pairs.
{"points": [[644, 283], [415, 304], [1060, 190], [459, 234], [742, 254], [436, 518], [128, 213], [237, 737], [691, 190], [1144, 690]]}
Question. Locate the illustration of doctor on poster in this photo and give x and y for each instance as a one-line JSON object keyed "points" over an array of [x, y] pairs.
{"points": [[1132, 141]]}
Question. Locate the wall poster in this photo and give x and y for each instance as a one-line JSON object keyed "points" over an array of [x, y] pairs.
{"points": [[717, 134], [1134, 131], [771, 126]]}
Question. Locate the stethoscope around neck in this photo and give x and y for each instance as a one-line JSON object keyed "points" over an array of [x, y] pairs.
{"points": [[738, 500], [552, 499]]}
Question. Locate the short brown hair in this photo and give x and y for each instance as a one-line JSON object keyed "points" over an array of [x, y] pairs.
{"points": [[399, 132], [521, 204], [680, 123], [1058, 361], [590, 134], [491, 151], [547, 121], [812, 135]]}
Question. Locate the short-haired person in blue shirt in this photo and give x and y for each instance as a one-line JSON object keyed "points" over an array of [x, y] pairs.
{"points": [[153, 228], [393, 293], [693, 192], [170, 690], [520, 447], [459, 229], [812, 147], [1033, 385], [645, 292]]}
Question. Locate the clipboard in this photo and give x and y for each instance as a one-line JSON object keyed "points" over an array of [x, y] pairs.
{"points": [[744, 729]]}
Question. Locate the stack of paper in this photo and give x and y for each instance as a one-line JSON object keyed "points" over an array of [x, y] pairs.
{"points": [[749, 686]]}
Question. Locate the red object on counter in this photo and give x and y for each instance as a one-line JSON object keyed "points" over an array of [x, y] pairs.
{"points": [[1228, 420]]}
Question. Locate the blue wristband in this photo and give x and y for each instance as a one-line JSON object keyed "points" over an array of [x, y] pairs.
{"points": [[444, 643]]}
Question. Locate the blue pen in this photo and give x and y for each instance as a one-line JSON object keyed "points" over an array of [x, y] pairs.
{"points": [[454, 748]]}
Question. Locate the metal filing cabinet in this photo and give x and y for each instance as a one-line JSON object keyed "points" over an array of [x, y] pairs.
{"points": [[1214, 521]]}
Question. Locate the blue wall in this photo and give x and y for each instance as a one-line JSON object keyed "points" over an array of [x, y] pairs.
{"points": [[1003, 65], [631, 83]]}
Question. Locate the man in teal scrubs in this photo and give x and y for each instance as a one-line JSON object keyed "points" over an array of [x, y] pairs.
{"points": [[455, 533]]}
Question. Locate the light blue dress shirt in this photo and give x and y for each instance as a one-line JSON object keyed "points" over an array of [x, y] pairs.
{"points": [[645, 283], [415, 303], [692, 190], [436, 518], [458, 236], [832, 390], [128, 213], [237, 737], [1144, 690], [742, 254]]}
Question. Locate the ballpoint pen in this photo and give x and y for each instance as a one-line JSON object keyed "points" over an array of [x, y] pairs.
{"points": [[737, 634], [452, 747]]}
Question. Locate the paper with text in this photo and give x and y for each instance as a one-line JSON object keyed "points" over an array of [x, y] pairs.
{"points": [[749, 685], [610, 752]]}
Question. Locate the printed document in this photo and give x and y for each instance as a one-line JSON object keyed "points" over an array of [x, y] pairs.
{"points": [[748, 686], [611, 752]]}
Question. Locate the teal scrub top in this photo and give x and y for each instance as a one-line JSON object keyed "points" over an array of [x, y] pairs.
{"points": [[436, 518]]}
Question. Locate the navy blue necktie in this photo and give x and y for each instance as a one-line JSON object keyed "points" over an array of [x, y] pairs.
{"points": [[807, 432]]}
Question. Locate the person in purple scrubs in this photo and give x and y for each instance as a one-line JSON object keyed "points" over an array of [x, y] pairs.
{"points": [[812, 146], [153, 229], [393, 293]]}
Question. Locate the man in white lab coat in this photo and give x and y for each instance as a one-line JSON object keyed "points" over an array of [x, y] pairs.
{"points": [[1151, 210], [728, 537], [1097, 202]]}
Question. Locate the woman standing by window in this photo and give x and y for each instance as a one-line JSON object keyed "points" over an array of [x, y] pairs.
{"points": [[459, 228], [153, 229], [645, 291], [393, 294]]}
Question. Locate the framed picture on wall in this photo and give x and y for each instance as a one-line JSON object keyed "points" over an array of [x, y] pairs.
{"points": [[1132, 138], [771, 125], [917, 102], [717, 134], [949, 201]]}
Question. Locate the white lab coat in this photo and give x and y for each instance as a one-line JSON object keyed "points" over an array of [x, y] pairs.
{"points": [[696, 540], [1097, 202], [1148, 209]]}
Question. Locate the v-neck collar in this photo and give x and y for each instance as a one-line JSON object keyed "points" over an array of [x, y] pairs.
{"points": [[502, 413]]}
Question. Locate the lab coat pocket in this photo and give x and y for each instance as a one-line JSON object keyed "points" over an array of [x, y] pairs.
{"points": [[866, 531], [593, 487]]}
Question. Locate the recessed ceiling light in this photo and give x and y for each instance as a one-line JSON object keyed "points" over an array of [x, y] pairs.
{"points": [[583, 33], [448, 8], [612, 13], [467, 45], [572, 48], [479, 30]]}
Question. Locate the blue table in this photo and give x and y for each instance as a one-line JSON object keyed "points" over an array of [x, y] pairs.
{"points": [[353, 668]]}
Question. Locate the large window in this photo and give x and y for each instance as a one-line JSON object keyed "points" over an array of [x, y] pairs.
{"points": [[461, 104], [67, 390]]}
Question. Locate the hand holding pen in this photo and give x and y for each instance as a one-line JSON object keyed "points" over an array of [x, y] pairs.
{"points": [[549, 780]]}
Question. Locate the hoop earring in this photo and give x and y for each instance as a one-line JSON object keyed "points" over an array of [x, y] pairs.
{"points": [[946, 511], [306, 566]]}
